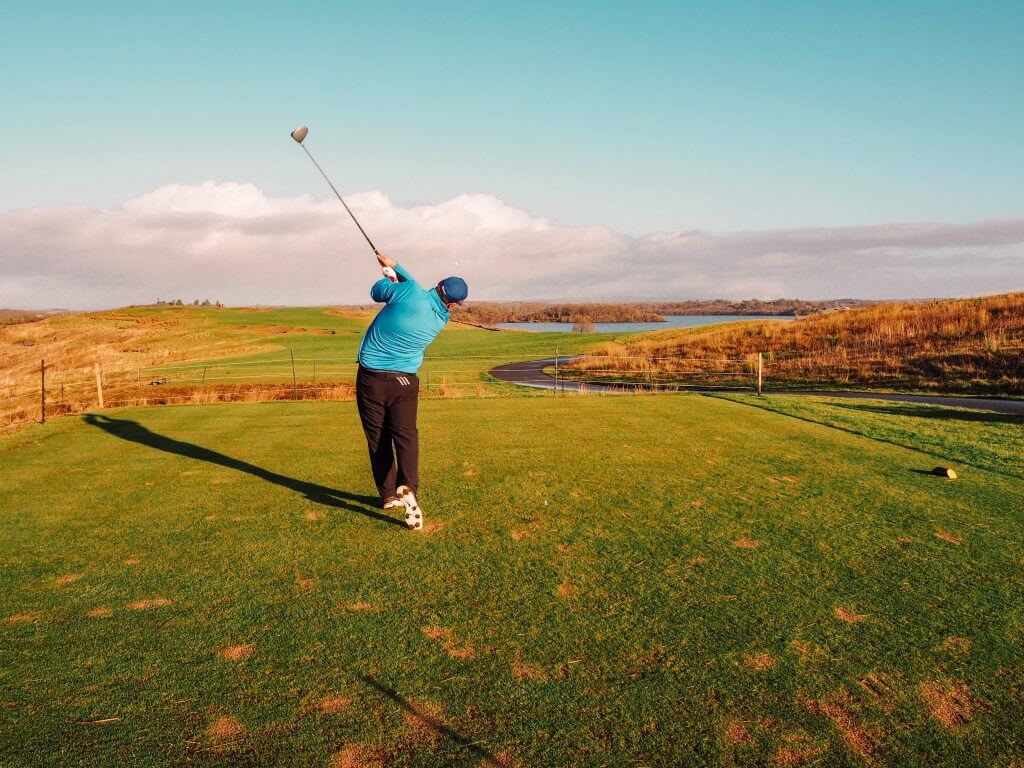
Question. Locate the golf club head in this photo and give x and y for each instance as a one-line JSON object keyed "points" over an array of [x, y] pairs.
{"points": [[300, 133]]}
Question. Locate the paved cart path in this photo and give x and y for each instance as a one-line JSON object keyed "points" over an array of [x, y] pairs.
{"points": [[531, 374]]}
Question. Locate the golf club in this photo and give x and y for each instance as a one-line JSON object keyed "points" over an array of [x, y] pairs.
{"points": [[299, 134]]}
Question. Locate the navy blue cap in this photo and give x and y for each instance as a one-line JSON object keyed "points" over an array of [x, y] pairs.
{"points": [[453, 290]]}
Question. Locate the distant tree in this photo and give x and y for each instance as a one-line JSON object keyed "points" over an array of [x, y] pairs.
{"points": [[195, 302], [218, 304], [206, 303], [583, 325], [178, 303]]}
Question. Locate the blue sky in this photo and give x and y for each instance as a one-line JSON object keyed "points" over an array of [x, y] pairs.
{"points": [[642, 117], [638, 116]]}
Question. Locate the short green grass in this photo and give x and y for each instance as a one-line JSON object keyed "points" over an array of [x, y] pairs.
{"points": [[607, 581]]}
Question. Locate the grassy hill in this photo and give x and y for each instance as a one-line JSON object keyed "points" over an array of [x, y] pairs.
{"points": [[199, 354], [603, 581], [955, 345]]}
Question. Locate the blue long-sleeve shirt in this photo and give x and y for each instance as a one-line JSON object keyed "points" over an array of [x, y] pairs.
{"points": [[410, 319]]}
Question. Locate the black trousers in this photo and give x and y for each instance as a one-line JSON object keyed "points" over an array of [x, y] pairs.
{"points": [[387, 403]]}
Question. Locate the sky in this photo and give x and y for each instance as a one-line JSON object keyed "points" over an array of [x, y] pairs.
{"points": [[543, 150]]}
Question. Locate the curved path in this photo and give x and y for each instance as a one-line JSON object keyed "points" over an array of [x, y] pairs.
{"points": [[531, 374]]}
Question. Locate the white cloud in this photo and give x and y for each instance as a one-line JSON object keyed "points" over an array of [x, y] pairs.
{"points": [[230, 241]]}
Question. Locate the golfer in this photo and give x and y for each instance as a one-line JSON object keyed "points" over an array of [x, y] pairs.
{"points": [[387, 388]]}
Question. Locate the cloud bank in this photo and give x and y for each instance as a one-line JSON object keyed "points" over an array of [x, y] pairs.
{"points": [[232, 242]]}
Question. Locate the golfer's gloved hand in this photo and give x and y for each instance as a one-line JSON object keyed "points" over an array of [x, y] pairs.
{"points": [[385, 261], [390, 274]]}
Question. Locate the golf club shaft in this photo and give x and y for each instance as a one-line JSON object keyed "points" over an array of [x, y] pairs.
{"points": [[341, 200]]}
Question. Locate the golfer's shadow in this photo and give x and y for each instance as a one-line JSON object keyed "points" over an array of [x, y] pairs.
{"points": [[320, 494]]}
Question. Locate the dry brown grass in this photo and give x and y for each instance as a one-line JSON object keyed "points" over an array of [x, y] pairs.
{"points": [[949, 345]]}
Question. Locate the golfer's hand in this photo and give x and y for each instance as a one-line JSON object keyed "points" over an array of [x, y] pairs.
{"points": [[385, 261]]}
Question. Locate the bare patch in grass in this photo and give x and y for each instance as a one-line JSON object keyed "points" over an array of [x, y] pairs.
{"points": [[746, 544], [523, 671], [698, 560], [69, 579], [154, 602], [425, 719], [224, 730], [838, 709], [304, 583], [957, 644], [313, 516], [100, 612], [845, 614], [450, 643], [356, 756], [946, 536], [432, 527], [565, 590], [520, 535], [133, 560], [239, 652], [736, 734], [798, 751], [949, 703], [23, 618], [332, 704], [759, 662], [790, 479], [697, 503], [360, 606]]}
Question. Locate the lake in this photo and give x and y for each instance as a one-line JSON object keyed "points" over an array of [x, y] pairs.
{"points": [[672, 321]]}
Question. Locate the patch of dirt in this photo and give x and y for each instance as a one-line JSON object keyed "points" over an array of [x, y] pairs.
{"points": [[698, 560], [565, 589], [577, 493], [798, 751], [432, 527], [101, 612], [313, 515], [135, 560], [523, 671], [450, 643], [224, 730], [838, 710], [236, 652], [736, 734], [23, 618], [210, 518], [949, 703], [361, 606], [957, 644], [845, 614], [69, 579], [424, 720], [759, 662], [356, 756], [332, 704], [520, 535], [697, 503], [746, 544], [304, 583], [790, 479], [945, 536], [145, 605]]}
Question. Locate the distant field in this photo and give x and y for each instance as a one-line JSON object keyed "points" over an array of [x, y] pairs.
{"points": [[949, 345], [604, 581], [195, 354]]}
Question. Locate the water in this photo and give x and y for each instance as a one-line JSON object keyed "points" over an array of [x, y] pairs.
{"points": [[672, 321]]}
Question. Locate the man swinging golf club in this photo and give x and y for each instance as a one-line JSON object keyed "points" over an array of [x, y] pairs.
{"points": [[387, 388]]}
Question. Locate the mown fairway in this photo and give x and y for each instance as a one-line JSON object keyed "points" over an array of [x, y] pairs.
{"points": [[648, 580]]}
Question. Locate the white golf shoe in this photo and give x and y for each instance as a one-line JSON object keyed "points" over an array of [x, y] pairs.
{"points": [[413, 513]]}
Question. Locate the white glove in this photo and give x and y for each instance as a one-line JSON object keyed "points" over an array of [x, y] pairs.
{"points": [[390, 274]]}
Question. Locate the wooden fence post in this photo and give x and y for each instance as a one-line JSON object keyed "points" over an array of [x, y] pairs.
{"points": [[556, 370], [295, 391], [99, 384], [42, 391], [760, 370]]}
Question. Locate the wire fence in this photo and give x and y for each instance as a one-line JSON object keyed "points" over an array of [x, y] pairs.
{"points": [[59, 390]]}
